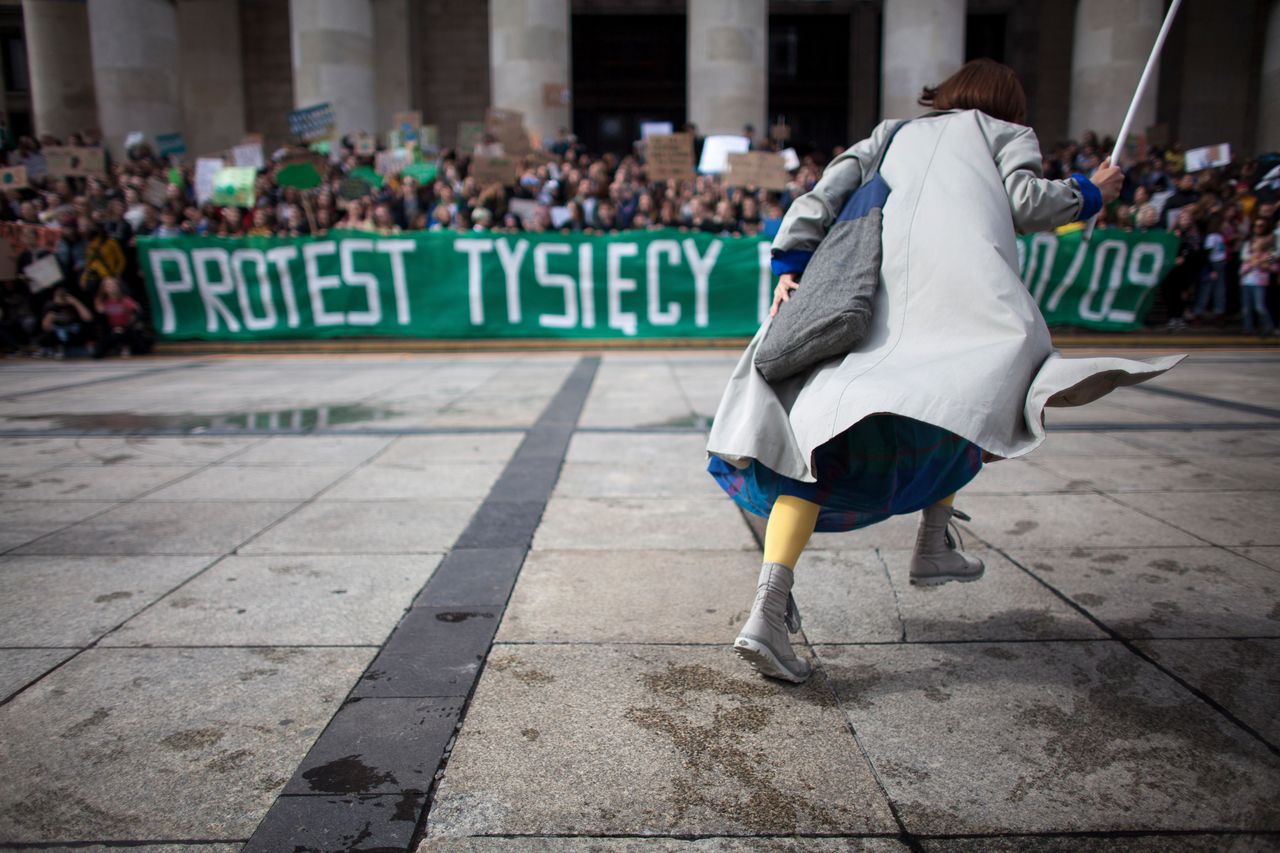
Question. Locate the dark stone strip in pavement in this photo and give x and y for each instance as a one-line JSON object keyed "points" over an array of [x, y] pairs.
{"points": [[164, 432], [118, 377], [392, 736], [1210, 401]]}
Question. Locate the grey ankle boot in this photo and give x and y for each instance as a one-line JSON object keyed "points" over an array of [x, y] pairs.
{"points": [[937, 559], [763, 641]]}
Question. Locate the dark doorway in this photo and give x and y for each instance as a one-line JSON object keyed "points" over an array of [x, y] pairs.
{"points": [[627, 69], [809, 78], [985, 36]]}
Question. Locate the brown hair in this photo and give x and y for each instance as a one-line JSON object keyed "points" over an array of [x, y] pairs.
{"points": [[981, 84]]}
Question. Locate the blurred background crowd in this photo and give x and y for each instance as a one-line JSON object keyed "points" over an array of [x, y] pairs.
{"points": [[1225, 220]]}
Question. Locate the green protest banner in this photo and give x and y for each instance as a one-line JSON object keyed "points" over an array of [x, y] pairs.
{"points": [[641, 284], [233, 185], [1107, 284]]}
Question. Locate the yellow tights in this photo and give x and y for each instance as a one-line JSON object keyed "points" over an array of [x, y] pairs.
{"points": [[791, 523]]}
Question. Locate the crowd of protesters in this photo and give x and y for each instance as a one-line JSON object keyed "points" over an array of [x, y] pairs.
{"points": [[1227, 229]]}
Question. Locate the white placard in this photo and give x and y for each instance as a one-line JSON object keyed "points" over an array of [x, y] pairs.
{"points": [[560, 215], [655, 128], [790, 159], [44, 273], [248, 154], [206, 168], [524, 208], [716, 151], [1208, 157]]}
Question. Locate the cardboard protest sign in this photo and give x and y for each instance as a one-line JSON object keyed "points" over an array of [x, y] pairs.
{"points": [[555, 94], [13, 178], [8, 263], [388, 163], [781, 132], [72, 161], [469, 135], [716, 151], [170, 144], [507, 126], [206, 168], [489, 170], [366, 144], [669, 157], [407, 122], [248, 154], [233, 185], [1208, 156], [18, 234], [656, 128], [429, 137], [524, 208], [764, 169], [156, 193], [312, 123]]}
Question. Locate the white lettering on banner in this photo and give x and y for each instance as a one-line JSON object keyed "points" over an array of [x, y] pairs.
{"points": [[1121, 249], [657, 316], [764, 288], [317, 284], [616, 285], [1147, 278], [1045, 247], [511, 260], [545, 278], [372, 315], [166, 287], [280, 258], [399, 283], [475, 294], [211, 291], [701, 265], [587, 285], [251, 322], [1073, 270]]}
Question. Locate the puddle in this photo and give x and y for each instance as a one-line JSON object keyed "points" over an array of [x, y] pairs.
{"points": [[270, 421]]}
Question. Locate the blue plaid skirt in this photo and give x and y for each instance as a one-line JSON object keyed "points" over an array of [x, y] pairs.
{"points": [[881, 466]]}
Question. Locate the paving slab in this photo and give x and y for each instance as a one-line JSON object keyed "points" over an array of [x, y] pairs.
{"points": [[420, 451], [332, 600], [20, 666], [236, 483], [23, 521], [631, 596], [894, 533], [863, 596], [1127, 843], [202, 740], [1047, 737], [659, 479], [90, 483], [1068, 520], [1269, 557], [434, 652], [1230, 518], [677, 448], [348, 450], [1090, 444], [1164, 592], [636, 523], [658, 740], [440, 480], [1199, 442], [192, 527], [1142, 474], [657, 844], [1241, 675], [115, 450], [1017, 477], [74, 601], [368, 527], [337, 824]]}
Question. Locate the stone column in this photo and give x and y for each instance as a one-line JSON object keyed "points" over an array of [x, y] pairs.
{"points": [[728, 65], [135, 64], [1112, 42], [391, 60], [528, 53], [333, 60], [211, 75], [1269, 90], [923, 45], [60, 66]]}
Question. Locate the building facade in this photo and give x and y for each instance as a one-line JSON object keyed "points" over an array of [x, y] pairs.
{"points": [[217, 70]]}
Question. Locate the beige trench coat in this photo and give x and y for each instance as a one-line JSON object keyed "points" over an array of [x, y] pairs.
{"points": [[956, 339]]}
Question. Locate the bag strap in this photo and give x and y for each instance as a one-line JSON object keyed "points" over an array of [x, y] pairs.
{"points": [[884, 149]]}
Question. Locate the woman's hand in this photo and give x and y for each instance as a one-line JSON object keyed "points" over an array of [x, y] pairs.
{"points": [[1108, 179], [782, 293]]}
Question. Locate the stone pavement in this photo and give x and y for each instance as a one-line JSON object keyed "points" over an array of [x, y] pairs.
{"points": [[484, 603]]}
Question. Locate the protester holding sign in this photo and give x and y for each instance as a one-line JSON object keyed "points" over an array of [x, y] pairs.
{"points": [[957, 362]]}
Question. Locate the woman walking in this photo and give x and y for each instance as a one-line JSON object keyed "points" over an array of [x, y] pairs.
{"points": [[957, 365]]}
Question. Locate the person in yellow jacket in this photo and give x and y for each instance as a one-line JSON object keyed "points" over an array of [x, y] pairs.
{"points": [[103, 259]]}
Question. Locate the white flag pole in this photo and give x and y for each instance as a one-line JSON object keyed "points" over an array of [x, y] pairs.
{"points": [[1137, 97]]}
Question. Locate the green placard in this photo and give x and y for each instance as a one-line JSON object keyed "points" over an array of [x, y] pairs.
{"points": [[233, 185], [641, 284], [301, 176]]}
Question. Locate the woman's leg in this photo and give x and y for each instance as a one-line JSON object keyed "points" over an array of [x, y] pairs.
{"points": [[764, 640]]}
